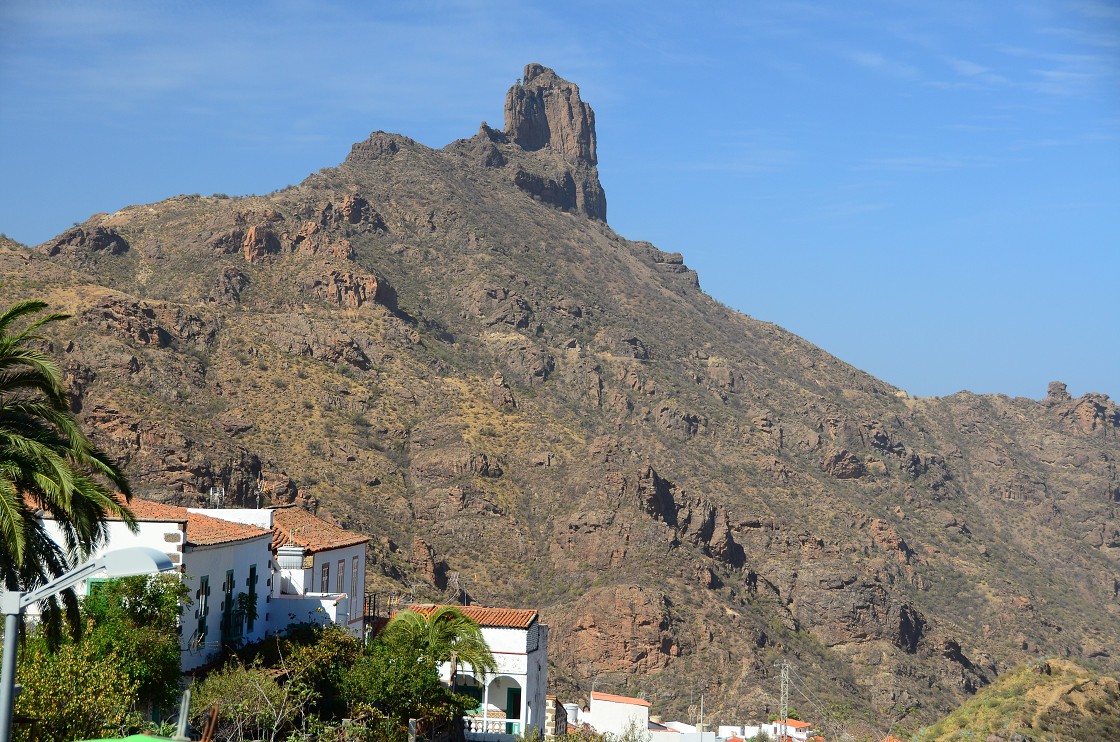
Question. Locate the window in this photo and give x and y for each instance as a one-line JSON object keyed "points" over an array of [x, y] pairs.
{"points": [[252, 584], [341, 576], [231, 621], [202, 599], [325, 578], [354, 592]]}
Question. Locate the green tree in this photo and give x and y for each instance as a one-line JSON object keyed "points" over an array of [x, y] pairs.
{"points": [[136, 619], [47, 466], [251, 704], [392, 683], [443, 635], [74, 692], [314, 656]]}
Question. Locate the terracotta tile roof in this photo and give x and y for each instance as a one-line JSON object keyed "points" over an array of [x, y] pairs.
{"points": [[505, 618], [202, 530], [296, 525], [595, 696], [795, 724]]}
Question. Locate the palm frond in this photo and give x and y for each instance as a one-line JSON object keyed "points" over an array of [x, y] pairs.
{"points": [[47, 463]]}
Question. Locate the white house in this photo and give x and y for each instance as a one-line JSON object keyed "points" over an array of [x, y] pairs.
{"points": [[511, 700], [612, 714], [226, 566], [798, 731], [320, 568], [249, 572]]}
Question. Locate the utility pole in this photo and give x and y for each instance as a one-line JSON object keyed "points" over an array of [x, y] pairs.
{"points": [[784, 711]]}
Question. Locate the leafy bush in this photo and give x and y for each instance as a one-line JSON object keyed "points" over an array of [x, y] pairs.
{"points": [[250, 703], [137, 619], [391, 684], [76, 692], [127, 656]]}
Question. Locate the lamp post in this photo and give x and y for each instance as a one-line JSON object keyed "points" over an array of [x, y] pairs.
{"points": [[137, 560]]}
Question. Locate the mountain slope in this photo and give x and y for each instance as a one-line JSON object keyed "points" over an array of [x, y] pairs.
{"points": [[452, 351], [1050, 700]]}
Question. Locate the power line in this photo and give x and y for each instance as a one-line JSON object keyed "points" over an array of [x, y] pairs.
{"points": [[839, 729]]}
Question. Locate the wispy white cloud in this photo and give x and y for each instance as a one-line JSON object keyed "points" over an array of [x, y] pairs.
{"points": [[1096, 10], [977, 72]]}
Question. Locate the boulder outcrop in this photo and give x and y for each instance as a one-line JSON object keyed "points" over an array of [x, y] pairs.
{"points": [[544, 109], [544, 112]]}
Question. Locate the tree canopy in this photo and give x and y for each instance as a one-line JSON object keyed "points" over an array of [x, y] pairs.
{"points": [[444, 635], [48, 468]]}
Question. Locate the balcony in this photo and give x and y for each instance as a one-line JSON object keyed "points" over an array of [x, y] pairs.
{"points": [[478, 729]]}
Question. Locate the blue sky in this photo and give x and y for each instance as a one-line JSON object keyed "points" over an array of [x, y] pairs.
{"points": [[930, 191]]}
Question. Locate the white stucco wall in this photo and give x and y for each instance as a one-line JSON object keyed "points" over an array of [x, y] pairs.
{"points": [[611, 717], [167, 537], [213, 562], [314, 608], [773, 728], [537, 685], [355, 589]]}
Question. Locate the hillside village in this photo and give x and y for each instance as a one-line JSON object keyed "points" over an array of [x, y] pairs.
{"points": [[252, 572]]}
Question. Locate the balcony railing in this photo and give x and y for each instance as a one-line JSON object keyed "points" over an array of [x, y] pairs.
{"points": [[476, 726]]}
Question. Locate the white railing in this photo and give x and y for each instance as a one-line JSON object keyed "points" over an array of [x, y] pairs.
{"points": [[476, 725]]}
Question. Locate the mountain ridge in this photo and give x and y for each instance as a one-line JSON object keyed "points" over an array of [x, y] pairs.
{"points": [[451, 351]]}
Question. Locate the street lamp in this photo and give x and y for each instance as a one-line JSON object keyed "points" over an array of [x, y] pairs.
{"points": [[137, 560]]}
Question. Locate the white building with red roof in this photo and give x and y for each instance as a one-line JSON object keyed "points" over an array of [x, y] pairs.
{"points": [[250, 572], [226, 566], [511, 700], [320, 569], [794, 730], [616, 715]]}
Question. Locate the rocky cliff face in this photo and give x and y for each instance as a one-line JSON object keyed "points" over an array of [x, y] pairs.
{"points": [[450, 351], [545, 114], [544, 110]]}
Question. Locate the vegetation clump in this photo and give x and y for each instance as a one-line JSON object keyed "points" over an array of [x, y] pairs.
{"points": [[305, 682], [121, 668], [1044, 701]]}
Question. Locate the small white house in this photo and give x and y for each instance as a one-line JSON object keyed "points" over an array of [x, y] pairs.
{"points": [[795, 730], [612, 714], [512, 700]]}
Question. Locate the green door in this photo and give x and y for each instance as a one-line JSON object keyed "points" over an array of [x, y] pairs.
{"points": [[513, 710]]}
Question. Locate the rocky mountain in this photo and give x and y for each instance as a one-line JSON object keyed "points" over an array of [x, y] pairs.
{"points": [[452, 351]]}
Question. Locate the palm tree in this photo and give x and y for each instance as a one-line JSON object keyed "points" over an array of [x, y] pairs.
{"points": [[48, 468], [443, 634]]}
